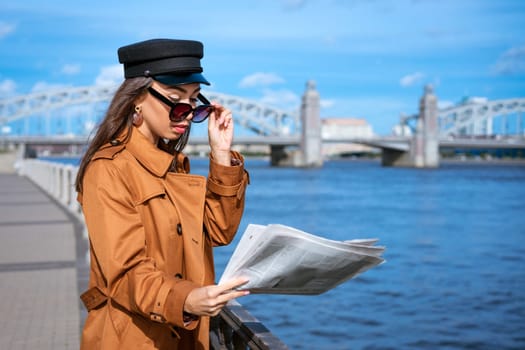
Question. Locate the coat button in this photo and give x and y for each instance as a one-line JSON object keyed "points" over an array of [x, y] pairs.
{"points": [[178, 275], [179, 229]]}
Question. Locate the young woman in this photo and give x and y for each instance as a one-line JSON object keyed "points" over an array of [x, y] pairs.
{"points": [[151, 224]]}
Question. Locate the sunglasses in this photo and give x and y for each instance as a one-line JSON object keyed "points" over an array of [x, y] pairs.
{"points": [[180, 111]]}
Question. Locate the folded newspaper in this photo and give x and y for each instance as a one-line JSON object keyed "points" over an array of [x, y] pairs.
{"points": [[279, 259]]}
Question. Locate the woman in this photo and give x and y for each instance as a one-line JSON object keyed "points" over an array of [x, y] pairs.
{"points": [[151, 224]]}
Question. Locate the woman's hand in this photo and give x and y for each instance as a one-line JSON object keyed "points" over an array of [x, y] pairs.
{"points": [[209, 300], [220, 134]]}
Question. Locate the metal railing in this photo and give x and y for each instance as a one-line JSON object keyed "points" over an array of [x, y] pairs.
{"points": [[233, 329]]}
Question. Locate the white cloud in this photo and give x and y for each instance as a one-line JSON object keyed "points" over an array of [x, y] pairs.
{"points": [[511, 62], [7, 87], [71, 69], [260, 79], [110, 75], [411, 79], [6, 29], [283, 98]]}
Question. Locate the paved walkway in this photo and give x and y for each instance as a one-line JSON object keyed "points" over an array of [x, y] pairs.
{"points": [[40, 275]]}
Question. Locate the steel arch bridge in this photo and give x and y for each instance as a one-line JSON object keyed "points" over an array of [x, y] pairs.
{"points": [[486, 118], [479, 118], [253, 116], [35, 112]]}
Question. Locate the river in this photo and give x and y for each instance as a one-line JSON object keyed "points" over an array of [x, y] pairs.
{"points": [[455, 271]]}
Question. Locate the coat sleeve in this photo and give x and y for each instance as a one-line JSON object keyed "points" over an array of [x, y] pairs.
{"points": [[118, 242], [225, 197]]}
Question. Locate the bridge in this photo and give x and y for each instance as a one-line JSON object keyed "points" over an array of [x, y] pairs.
{"points": [[67, 116]]}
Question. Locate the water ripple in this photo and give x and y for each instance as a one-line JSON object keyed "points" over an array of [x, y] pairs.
{"points": [[455, 255]]}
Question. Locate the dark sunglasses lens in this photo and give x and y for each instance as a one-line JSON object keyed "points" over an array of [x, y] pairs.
{"points": [[180, 111], [201, 113]]}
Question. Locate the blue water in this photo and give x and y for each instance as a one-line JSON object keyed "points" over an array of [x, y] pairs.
{"points": [[455, 271]]}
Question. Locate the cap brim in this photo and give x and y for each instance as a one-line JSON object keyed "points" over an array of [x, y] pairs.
{"points": [[179, 79]]}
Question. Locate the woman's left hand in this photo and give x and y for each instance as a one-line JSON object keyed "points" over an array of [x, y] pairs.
{"points": [[220, 134]]}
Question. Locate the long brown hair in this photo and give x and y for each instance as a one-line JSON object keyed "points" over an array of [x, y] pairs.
{"points": [[119, 117]]}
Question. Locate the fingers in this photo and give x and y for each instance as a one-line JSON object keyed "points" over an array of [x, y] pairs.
{"points": [[233, 283], [221, 116], [229, 289]]}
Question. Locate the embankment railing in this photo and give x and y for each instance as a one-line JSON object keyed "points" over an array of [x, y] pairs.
{"points": [[234, 328]]}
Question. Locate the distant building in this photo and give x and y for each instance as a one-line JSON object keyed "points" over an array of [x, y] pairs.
{"points": [[334, 128]]}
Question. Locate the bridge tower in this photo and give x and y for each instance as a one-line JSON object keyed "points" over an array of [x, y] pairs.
{"points": [[311, 145], [426, 145], [423, 148], [309, 154]]}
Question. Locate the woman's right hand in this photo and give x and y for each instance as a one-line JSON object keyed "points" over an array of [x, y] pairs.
{"points": [[209, 300]]}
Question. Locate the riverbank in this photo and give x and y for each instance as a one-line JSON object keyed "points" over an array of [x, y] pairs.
{"points": [[475, 161], [445, 160]]}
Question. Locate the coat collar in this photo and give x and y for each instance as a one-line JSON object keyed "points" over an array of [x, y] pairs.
{"points": [[149, 155]]}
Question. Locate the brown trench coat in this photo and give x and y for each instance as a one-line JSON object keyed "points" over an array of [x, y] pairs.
{"points": [[151, 235]]}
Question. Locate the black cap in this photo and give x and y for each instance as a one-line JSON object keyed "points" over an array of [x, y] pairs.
{"points": [[169, 61]]}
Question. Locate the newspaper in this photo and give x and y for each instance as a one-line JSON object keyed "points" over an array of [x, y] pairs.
{"points": [[279, 259]]}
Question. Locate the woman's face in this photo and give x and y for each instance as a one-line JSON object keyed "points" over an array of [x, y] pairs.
{"points": [[156, 123]]}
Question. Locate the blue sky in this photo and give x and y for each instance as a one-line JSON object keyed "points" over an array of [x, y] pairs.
{"points": [[369, 59]]}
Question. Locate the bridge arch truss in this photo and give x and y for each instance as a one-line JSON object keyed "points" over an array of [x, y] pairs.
{"points": [[489, 118], [481, 118], [253, 116]]}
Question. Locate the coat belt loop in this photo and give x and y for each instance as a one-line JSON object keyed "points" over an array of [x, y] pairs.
{"points": [[93, 298]]}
